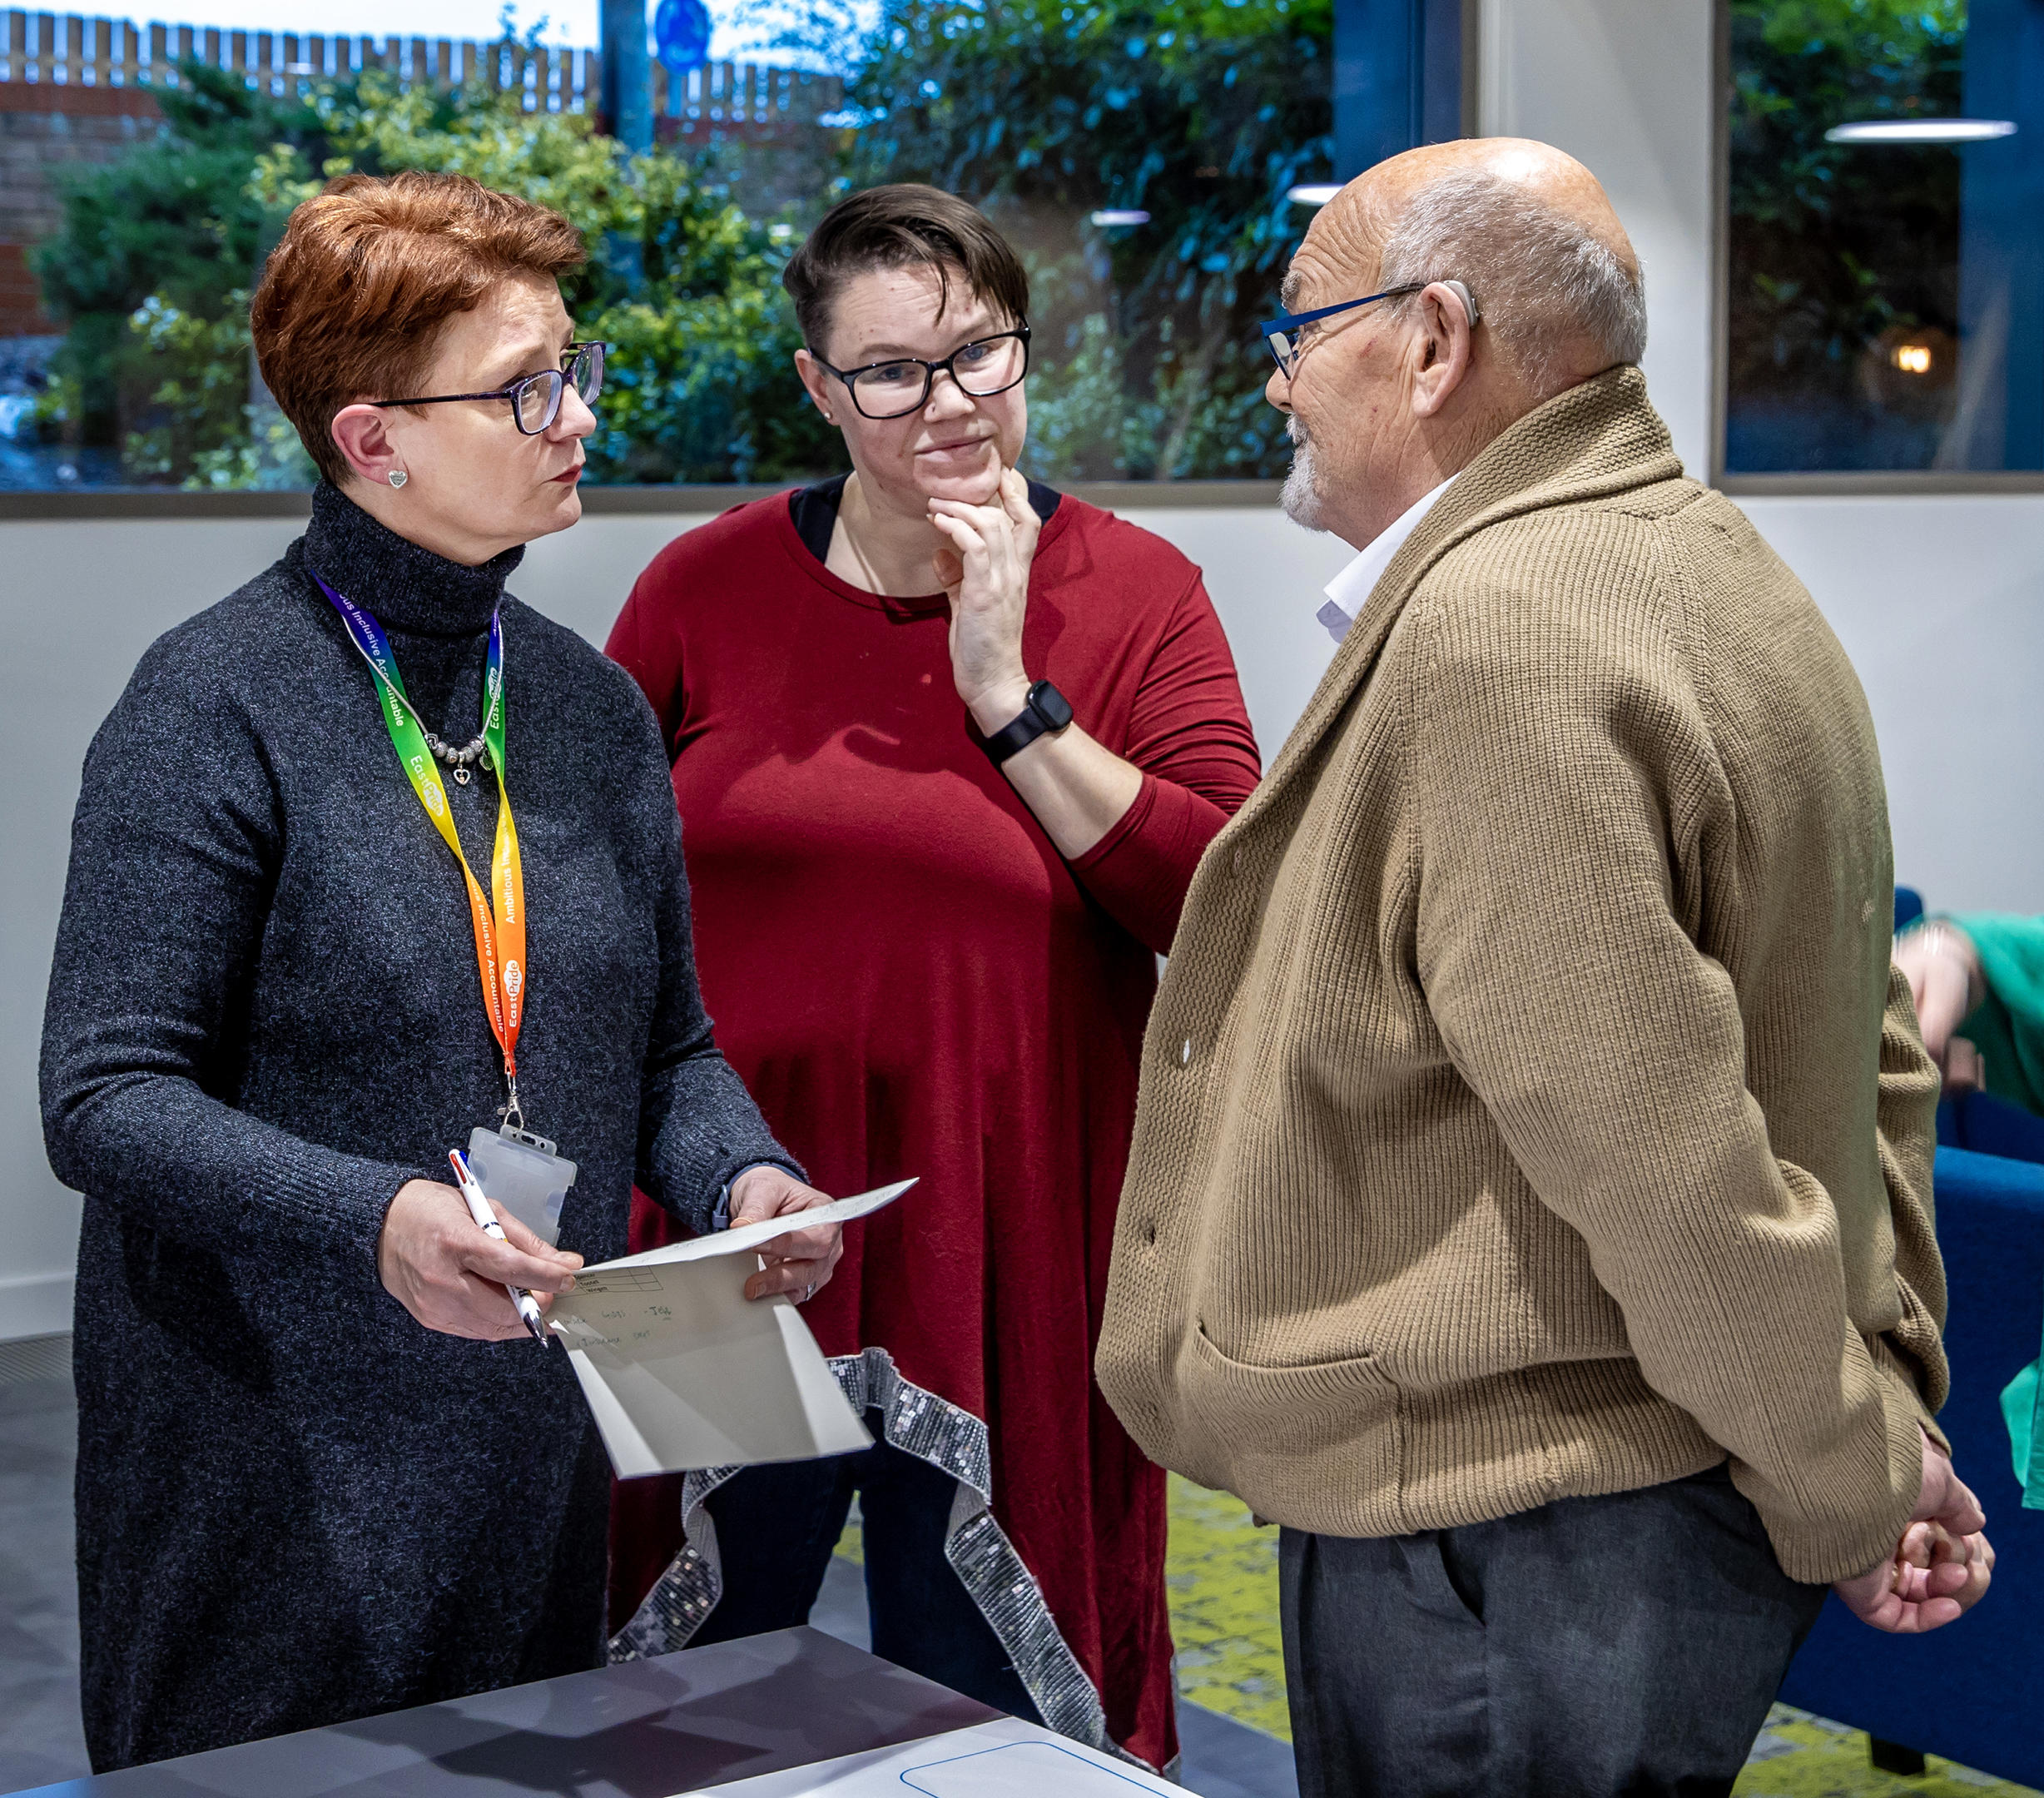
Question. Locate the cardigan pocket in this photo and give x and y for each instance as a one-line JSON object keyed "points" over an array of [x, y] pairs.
{"points": [[1287, 1411]]}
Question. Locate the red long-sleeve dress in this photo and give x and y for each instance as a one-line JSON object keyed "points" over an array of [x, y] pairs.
{"points": [[912, 981]]}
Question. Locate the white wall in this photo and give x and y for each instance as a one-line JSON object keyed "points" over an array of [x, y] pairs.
{"points": [[1939, 600]]}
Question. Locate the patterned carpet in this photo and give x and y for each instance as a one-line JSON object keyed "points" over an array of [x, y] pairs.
{"points": [[1799, 1755], [1223, 1578]]}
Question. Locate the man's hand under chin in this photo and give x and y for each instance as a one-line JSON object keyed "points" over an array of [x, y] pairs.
{"points": [[1941, 1567]]}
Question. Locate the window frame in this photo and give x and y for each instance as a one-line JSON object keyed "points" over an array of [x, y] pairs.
{"points": [[1816, 483]]}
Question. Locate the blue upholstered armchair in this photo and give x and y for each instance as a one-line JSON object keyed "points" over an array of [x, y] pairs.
{"points": [[1969, 1690]]}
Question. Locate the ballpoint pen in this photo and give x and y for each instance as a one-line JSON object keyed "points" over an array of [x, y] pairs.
{"points": [[479, 1210]]}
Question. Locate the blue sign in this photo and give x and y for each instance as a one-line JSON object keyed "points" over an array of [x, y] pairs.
{"points": [[681, 35]]}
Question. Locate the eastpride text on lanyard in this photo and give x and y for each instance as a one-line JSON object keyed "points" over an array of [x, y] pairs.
{"points": [[499, 938]]}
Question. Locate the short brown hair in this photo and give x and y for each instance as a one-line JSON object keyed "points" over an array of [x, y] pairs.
{"points": [[904, 224], [353, 300]]}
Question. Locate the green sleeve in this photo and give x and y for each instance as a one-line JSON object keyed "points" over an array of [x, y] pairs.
{"points": [[2008, 1026]]}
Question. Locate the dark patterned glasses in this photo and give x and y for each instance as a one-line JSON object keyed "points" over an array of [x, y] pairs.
{"points": [[536, 399], [901, 385]]}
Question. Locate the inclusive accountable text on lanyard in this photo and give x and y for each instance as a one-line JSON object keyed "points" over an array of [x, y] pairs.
{"points": [[499, 939]]}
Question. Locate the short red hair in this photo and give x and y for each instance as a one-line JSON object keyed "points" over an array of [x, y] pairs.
{"points": [[353, 300]]}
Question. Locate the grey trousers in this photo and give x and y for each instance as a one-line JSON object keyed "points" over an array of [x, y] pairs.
{"points": [[1624, 1644]]}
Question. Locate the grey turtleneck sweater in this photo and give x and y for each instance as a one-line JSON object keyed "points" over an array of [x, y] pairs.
{"points": [[295, 1504]]}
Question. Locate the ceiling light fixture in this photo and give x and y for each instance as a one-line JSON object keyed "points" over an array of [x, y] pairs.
{"points": [[1314, 193], [1112, 217], [1921, 130]]}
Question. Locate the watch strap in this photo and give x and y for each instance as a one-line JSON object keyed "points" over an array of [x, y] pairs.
{"points": [[1043, 711]]}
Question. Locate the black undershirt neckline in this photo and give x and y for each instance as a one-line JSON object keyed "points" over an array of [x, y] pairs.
{"points": [[813, 510]]}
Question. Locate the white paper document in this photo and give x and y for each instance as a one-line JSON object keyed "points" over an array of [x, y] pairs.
{"points": [[682, 1370], [1009, 1759]]}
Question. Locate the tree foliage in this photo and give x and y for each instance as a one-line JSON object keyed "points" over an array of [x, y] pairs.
{"points": [[681, 281], [152, 268], [1202, 113], [151, 272], [1833, 245]]}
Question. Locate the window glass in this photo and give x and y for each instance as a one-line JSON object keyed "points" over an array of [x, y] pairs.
{"points": [[1884, 236], [1142, 156]]}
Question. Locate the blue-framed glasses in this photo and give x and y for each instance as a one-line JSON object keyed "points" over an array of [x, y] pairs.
{"points": [[1285, 335]]}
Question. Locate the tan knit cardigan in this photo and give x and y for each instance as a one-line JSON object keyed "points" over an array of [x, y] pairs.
{"points": [[1518, 1119]]}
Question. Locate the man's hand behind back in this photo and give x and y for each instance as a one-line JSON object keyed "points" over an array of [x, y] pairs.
{"points": [[1941, 1566]]}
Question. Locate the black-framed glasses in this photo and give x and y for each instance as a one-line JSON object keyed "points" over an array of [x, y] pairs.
{"points": [[1285, 335], [902, 384], [536, 399]]}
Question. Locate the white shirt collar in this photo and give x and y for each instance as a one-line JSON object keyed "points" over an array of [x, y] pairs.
{"points": [[1350, 590]]}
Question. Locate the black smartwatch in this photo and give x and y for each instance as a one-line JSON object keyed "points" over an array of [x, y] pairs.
{"points": [[1045, 710]]}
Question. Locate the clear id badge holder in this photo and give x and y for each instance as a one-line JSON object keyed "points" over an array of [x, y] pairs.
{"points": [[523, 1175]]}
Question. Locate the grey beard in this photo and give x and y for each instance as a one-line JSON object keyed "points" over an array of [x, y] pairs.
{"points": [[1301, 498]]}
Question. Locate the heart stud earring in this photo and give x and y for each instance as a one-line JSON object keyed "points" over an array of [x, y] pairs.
{"points": [[398, 477]]}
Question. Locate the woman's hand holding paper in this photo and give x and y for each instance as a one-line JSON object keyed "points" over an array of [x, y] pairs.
{"points": [[451, 1276], [801, 1261]]}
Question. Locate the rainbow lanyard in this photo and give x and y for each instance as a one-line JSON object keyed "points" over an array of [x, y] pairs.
{"points": [[499, 940]]}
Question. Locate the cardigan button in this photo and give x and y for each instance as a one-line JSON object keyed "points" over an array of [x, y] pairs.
{"points": [[1185, 1053], [1239, 859]]}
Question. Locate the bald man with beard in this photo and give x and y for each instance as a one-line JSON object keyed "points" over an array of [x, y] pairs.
{"points": [[1530, 1207]]}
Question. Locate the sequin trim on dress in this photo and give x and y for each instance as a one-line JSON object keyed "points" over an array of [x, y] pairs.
{"points": [[947, 1437]]}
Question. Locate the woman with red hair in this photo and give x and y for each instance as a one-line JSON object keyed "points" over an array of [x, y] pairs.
{"points": [[323, 1470]]}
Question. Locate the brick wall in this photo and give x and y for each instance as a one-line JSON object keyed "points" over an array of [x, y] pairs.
{"points": [[45, 127]]}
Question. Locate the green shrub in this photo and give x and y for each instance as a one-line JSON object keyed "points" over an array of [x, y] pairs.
{"points": [[1202, 113], [151, 271], [152, 268]]}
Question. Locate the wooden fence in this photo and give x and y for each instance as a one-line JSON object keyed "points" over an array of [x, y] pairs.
{"points": [[67, 51]]}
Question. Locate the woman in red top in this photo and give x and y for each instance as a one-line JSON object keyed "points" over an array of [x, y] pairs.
{"points": [[928, 897]]}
